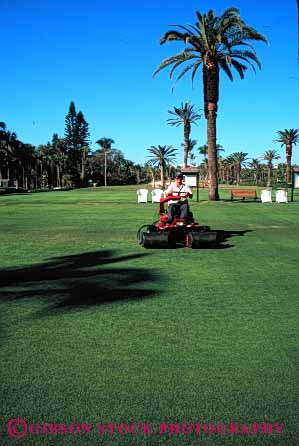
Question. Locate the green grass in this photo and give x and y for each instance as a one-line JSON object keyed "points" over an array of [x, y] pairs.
{"points": [[96, 329]]}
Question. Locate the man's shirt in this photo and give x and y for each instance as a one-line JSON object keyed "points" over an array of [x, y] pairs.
{"points": [[180, 191]]}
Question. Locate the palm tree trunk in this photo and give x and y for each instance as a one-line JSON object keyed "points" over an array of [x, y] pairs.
{"points": [[105, 169], [187, 129], [212, 153], [58, 184], [269, 174], [211, 96], [289, 160], [162, 175], [238, 174]]}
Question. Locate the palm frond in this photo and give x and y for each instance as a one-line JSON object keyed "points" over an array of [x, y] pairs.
{"points": [[177, 59], [194, 71], [188, 50], [240, 68], [173, 35], [183, 72], [185, 28], [249, 33], [224, 66], [245, 55], [286, 137], [224, 40]]}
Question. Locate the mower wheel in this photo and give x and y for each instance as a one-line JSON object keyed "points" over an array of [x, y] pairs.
{"points": [[145, 229], [203, 239], [156, 240]]}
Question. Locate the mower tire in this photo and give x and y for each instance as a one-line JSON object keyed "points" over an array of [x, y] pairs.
{"points": [[156, 240], [202, 239]]}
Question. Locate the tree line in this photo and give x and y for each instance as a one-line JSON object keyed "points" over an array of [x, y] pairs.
{"points": [[68, 161], [232, 169], [65, 161]]}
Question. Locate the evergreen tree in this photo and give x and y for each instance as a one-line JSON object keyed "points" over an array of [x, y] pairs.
{"points": [[77, 143], [82, 133], [70, 127]]}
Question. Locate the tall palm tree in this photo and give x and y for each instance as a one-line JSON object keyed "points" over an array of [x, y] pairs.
{"points": [[192, 159], [191, 156], [222, 167], [150, 172], [229, 168], [238, 160], [214, 43], [256, 166], [203, 150], [105, 144], [287, 138], [160, 156], [184, 115], [270, 155]]}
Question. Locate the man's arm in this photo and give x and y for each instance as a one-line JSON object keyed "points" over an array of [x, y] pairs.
{"points": [[169, 190], [189, 192]]}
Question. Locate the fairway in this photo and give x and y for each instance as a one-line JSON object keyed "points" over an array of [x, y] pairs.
{"points": [[96, 329]]}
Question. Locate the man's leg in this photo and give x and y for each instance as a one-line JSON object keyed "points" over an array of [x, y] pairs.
{"points": [[184, 210], [171, 212]]}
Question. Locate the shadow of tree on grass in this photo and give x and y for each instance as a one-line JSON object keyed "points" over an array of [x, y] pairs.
{"points": [[75, 281]]}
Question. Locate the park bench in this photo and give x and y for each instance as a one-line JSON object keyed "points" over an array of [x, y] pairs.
{"points": [[243, 193]]}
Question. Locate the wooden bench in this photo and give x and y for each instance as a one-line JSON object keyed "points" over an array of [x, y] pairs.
{"points": [[243, 193]]}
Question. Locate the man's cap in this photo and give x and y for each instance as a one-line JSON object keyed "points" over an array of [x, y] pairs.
{"points": [[180, 175]]}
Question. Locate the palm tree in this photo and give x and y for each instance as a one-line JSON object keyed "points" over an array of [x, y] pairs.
{"points": [[184, 115], [238, 159], [222, 165], [150, 172], [269, 156], [203, 150], [192, 159], [162, 155], [214, 43], [105, 144], [288, 138], [256, 166], [192, 144]]}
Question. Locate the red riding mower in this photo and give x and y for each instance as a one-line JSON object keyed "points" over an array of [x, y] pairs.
{"points": [[180, 232]]}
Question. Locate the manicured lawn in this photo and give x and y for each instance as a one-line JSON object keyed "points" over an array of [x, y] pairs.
{"points": [[96, 329]]}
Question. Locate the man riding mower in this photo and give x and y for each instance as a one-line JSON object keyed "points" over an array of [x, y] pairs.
{"points": [[176, 227], [178, 207]]}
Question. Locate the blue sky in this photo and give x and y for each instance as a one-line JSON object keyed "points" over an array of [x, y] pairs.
{"points": [[102, 54]]}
